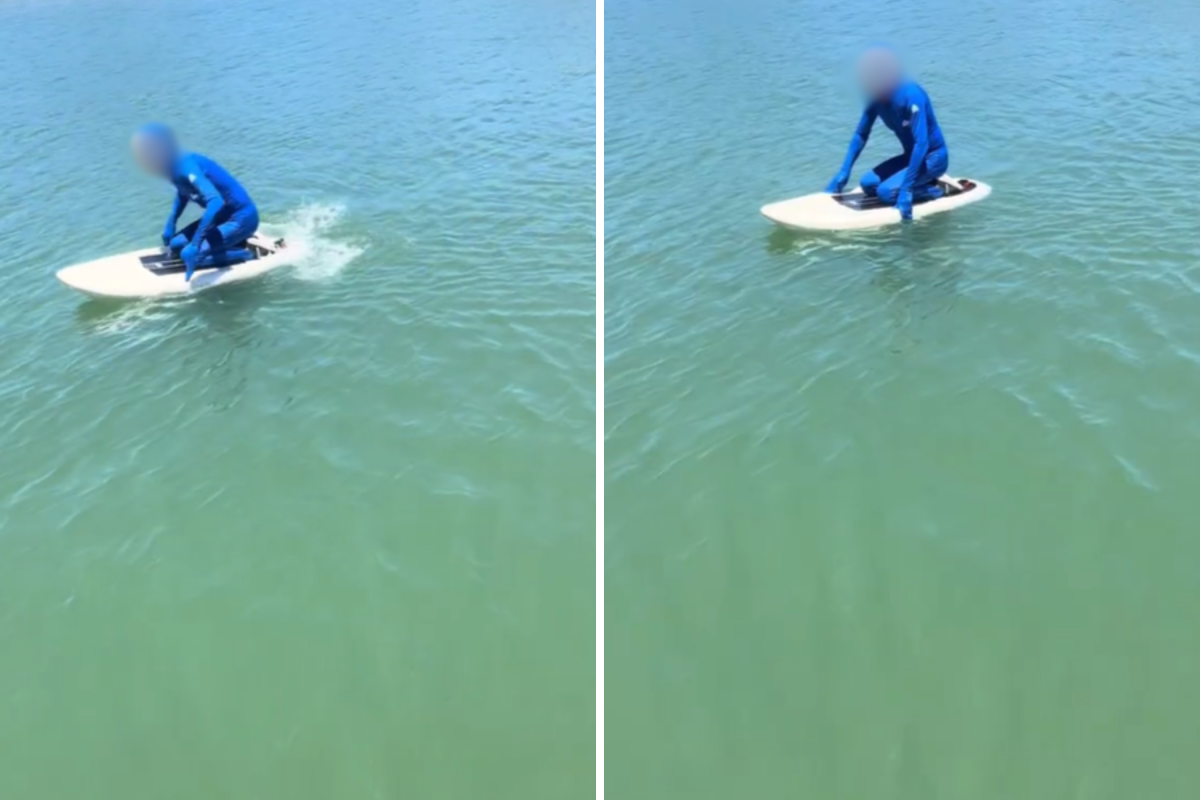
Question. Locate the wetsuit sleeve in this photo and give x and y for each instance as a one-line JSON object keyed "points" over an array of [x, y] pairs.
{"points": [[919, 124], [177, 207], [213, 202], [861, 134]]}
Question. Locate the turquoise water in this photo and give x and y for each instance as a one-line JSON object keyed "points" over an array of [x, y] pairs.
{"points": [[913, 513], [328, 533]]}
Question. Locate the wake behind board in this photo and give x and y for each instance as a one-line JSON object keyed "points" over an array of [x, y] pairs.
{"points": [[157, 273], [855, 210]]}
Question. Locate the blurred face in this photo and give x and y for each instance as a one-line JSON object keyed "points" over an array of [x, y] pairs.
{"points": [[879, 73], [154, 149]]}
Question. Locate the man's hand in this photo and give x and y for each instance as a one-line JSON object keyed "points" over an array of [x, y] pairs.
{"points": [[167, 235], [189, 256], [837, 184], [905, 203]]}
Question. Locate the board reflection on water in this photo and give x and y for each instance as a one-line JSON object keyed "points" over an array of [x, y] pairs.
{"points": [[916, 267]]}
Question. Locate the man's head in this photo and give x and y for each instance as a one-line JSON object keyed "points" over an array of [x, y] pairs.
{"points": [[879, 72], [154, 148]]}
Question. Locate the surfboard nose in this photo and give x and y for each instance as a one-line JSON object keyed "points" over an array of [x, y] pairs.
{"points": [[66, 274]]}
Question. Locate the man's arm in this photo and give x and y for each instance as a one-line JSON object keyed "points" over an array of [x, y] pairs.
{"points": [[857, 142], [177, 207], [213, 202], [919, 125]]}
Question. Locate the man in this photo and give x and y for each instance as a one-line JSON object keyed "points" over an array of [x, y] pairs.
{"points": [[906, 110], [218, 238]]}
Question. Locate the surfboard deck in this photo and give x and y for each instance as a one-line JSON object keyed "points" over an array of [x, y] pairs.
{"points": [[155, 272], [856, 211]]}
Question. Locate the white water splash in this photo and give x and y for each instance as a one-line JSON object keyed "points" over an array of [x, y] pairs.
{"points": [[123, 319], [318, 256]]}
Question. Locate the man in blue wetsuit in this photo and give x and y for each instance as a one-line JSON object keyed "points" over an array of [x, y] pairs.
{"points": [[906, 110], [230, 217]]}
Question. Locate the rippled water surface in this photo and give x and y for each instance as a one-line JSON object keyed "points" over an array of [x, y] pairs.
{"points": [[913, 513], [327, 534]]}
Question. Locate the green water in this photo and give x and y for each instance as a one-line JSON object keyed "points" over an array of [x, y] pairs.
{"points": [[907, 514], [328, 534]]}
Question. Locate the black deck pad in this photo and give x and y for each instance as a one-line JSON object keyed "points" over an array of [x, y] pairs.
{"points": [[169, 263], [862, 202]]}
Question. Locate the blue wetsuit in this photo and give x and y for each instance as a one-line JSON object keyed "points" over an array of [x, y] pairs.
{"points": [[230, 216], [909, 115]]}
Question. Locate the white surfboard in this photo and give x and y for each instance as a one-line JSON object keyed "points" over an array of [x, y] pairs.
{"points": [[156, 273], [854, 210]]}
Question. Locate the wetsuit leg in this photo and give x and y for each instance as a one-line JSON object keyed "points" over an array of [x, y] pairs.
{"points": [[935, 167], [870, 181], [224, 242], [925, 187]]}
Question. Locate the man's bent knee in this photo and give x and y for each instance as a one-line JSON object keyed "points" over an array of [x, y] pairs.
{"points": [[888, 192], [870, 183]]}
